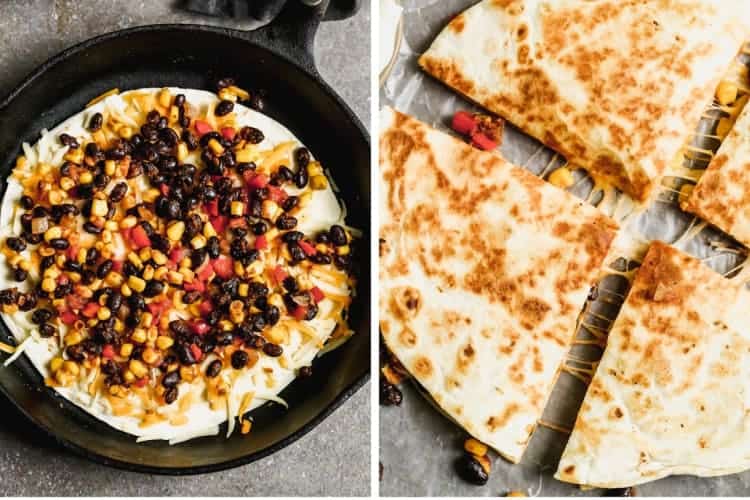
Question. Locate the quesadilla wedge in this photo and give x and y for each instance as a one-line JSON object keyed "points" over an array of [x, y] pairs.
{"points": [[615, 86], [484, 268], [720, 197], [163, 272], [670, 395]]}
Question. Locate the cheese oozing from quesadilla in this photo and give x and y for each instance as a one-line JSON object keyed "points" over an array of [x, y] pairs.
{"points": [[720, 197], [670, 395], [484, 269], [616, 86]]}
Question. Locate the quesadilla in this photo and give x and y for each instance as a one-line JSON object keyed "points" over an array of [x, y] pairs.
{"points": [[615, 86], [670, 395], [721, 195], [168, 271], [484, 269]]}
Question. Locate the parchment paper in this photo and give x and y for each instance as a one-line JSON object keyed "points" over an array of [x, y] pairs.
{"points": [[418, 445]]}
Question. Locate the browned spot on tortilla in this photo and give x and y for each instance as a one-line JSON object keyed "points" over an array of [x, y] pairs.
{"points": [[423, 367], [502, 419]]}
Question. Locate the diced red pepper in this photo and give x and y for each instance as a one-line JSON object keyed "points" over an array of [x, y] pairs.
{"points": [[75, 302], [108, 351], [194, 286], [206, 307], [202, 127], [199, 327], [90, 309], [139, 238], [197, 353], [261, 242], [141, 382], [72, 252], [224, 267], [117, 265], [256, 181], [279, 274], [237, 222], [212, 208], [464, 123], [228, 133], [300, 312], [317, 294], [219, 223], [307, 248], [205, 272], [481, 141], [277, 195], [68, 317], [177, 254], [164, 189], [157, 308], [63, 279]]}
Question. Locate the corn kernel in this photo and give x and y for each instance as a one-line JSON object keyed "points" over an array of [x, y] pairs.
{"points": [[475, 447], [73, 338], [208, 230], [187, 274], [52, 233], [85, 177], [74, 156], [187, 374], [241, 94], [99, 138], [56, 364], [71, 367], [114, 279], [199, 241], [726, 93], [24, 264], [226, 325], [48, 285], [562, 178], [318, 182], [164, 343], [127, 349], [119, 326], [174, 114], [165, 97], [237, 208], [99, 208], [182, 152], [276, 300], [215, 147], [125, 132], [150, 195], [176, 230], [244, 155], [129, 376], [304, 199], [269, 210], [135, 260], [136, 283], [159, 258], [67, 183], [343, 250], [150, 356], [271, 234], [146, 319], [128, 222], [148, 273], [243, 290], [110, 167], [125, 290], [56, 197], [103, 313], [255, 269]]}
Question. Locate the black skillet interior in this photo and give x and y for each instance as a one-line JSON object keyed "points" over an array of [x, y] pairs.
{"points": [[193, 57]]}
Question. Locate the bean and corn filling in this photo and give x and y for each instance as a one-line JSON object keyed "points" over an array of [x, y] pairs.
{"points": [[151, 248]]}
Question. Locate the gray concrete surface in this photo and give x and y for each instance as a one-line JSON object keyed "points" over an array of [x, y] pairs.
{"points": [[334, 459]]}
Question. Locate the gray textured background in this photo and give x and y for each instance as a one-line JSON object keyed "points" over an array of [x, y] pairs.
{"points": [[334, 458]]}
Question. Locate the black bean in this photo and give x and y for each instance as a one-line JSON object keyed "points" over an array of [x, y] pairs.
{"points": [[213, 248], [390, 395], [343, 262], [239, 359], [301, 178], [305, 372], [153, 288], [290, 203], [31, 238], [46, 330], [76, 353], [92, 150], [471, 470], [213, 369], [285, 173], [171, 395], [63, 290], [59, 243], [96, 122], [92, 255], [134, 170], [9, 296], [153, 117], [290, 284], [298, 255], [312, 311], [292, 237], [224, 108], [337, 234], [19, 274], [104, 268], [251, 135], [27, 202], [26, 301], [191, 297], [224, 83], [285, 222], [114, 301], [41, 316], [273, 350], [302, 155], [271, 315], [171, 379], [185, 354], [189, 139], [179, 100], [69, 140], [118, 192], [256, 102], [260, 228], [91, 228], [16, 244]]}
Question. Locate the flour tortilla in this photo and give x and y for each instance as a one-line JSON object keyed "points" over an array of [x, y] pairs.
{"points": [[720, 197], [484, 269], [671, 393], [616, 86], [323, 211]]}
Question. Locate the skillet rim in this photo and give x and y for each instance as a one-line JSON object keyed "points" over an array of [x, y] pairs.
{"points": [[353, 120]]}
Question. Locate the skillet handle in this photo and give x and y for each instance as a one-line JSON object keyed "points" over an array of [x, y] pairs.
{"points": [[292, 32]]}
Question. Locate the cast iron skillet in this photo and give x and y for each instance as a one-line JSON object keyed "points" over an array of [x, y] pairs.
{"points": [[277, 58]]}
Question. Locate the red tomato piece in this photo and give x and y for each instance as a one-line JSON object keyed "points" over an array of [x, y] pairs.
{"points": [[90, 309], [212, 208], [177, 254], [199, 327], [206, 307], [202, 127], [307, 248], [219, 223], [277, 195], [205, 273], [228, 133], [317, 294], [164, 189], [256, 181], [197, 353], [278, 274], [141, 382], [481, 141], [68, 317], [464, 123], [300, 312], [194, 286]]}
